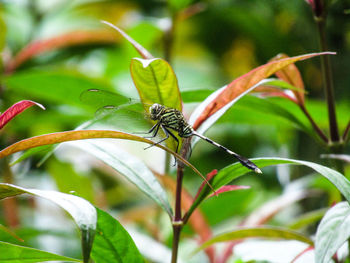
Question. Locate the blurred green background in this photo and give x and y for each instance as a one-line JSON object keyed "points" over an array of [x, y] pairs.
{"points": [[69, 50]]}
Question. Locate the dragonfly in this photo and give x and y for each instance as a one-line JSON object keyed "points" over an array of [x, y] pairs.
{"points": [[169, 120]]}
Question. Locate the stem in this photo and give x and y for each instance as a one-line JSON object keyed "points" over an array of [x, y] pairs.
{"points": [[177, 221], [328, 81], [176, 239], [313, 123], [10, 205], [346, 132], [169, 38]]}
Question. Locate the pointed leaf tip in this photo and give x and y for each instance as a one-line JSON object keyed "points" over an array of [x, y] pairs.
{"points": [[140, 49], [16, 109]]}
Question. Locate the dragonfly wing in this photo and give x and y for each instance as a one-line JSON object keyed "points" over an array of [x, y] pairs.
{"points": [[99, 98], [129, 118]]}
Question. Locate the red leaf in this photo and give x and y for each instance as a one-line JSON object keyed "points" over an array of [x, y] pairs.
{"points": [[229, 188], [64, 40], [16, 109], [242, 84], [269, 91], [208, 177], [302, 253], [291, 75]]}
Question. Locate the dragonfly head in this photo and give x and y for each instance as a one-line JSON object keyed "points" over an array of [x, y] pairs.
{"points": [[154, 111]]}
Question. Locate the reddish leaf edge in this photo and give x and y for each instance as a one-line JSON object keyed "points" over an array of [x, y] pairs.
{"points": [[53, 138], [217, 103], [61, 41], [229, 188], [16, 109]]}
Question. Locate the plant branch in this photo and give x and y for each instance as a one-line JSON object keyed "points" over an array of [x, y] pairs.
{"points": [[346, 132], [313, 123], [328, 81], [10, 205], [177, 221]]}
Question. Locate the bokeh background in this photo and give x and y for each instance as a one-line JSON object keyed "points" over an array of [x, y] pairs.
{"points": [[53, 50]]}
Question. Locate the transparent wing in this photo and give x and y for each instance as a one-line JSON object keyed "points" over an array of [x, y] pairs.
{"points": [[129, 118], [100, 98]]}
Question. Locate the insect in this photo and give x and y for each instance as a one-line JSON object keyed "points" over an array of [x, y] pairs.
{"points": [[171, 120]]}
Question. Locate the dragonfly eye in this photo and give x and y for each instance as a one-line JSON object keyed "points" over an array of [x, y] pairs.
{"points": [[154, 111]]}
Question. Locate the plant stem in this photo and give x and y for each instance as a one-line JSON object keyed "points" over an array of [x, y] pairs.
{"points": [[169, 38], [177, 221], [313, 123], [328, 81], [10, 205], [346, 132]]}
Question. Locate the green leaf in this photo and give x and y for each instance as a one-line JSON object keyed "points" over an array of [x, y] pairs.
{"points": [[261, 232], [332, 232], [236, 170], [130, 167], [57, 86], [156, 82], [2, 36], [307, 219], [83, 213], [10, 253], [112, 242], [68, 180]]}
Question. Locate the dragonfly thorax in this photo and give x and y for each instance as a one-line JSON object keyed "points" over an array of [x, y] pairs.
{"points": [[155, 111]]}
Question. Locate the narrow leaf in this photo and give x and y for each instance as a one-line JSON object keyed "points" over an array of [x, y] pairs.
{"points": [[61, 87], [332, 232], [307, 219], [236, 170], [229, 188], [130, 167], [264, 213], [83, 213], [240, 85], [213, 118], [82, 135], [16, 109], [140, 49], [57, 42], [10, 253], [261, 232], [112, 242], [291, 75]]}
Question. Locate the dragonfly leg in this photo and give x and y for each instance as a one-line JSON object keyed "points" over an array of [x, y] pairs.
{"points": [[155, 126], [167, 132], [172, 135], [154, 129], [162, 140]]}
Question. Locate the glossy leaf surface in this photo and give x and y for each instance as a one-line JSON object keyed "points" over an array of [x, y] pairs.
{"points": [[112, 242], [130, 167], [83, 213], [16, 109], [236, 170], [332, 232], [241, 85], [10, 253]]}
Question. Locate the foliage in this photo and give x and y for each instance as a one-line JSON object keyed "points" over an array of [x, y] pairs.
{"points": [[77, 153]]}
